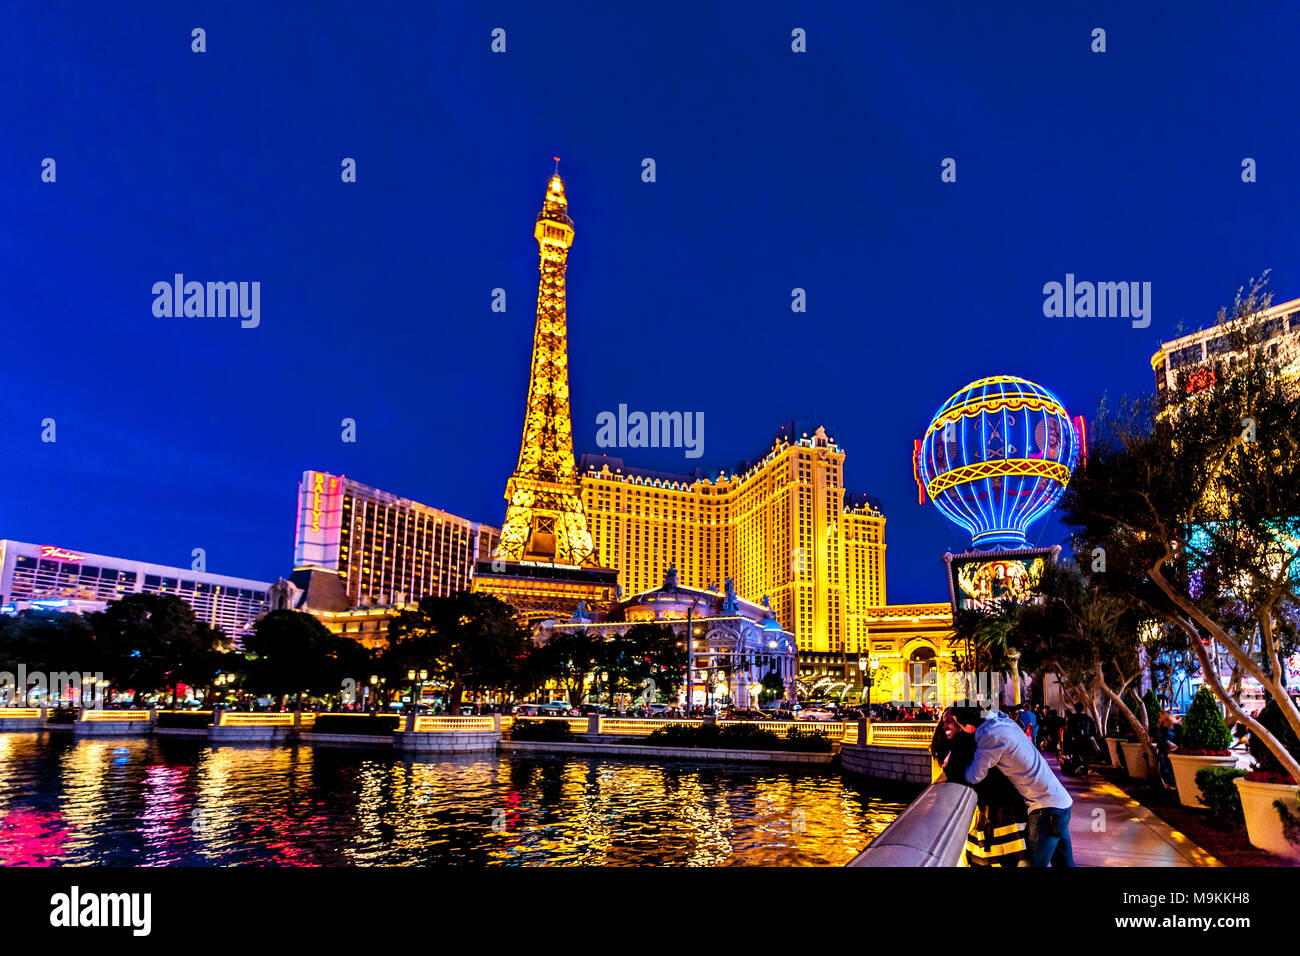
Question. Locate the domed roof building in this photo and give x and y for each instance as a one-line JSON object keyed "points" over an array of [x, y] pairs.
{"points": [[734, 643]]}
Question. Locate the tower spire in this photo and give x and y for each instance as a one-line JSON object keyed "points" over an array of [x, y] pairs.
{"points": [[544, 517]]}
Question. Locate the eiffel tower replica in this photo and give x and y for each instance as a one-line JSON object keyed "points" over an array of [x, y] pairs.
{"points": [[545, 565]]}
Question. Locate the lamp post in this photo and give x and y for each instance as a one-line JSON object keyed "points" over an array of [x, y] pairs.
{"points": [[417, 679], [871, 682]]}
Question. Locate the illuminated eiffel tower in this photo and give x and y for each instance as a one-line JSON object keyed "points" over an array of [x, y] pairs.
{"points": [[545, 563]]}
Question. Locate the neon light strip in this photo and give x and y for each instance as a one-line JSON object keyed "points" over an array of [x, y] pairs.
{"points": [[971, 522], [1013, 402], [986, 470]]}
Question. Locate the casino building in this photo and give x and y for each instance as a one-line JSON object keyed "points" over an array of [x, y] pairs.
{"points": [[781, 526], [1191, 363], [361, 555], [54, 578]]}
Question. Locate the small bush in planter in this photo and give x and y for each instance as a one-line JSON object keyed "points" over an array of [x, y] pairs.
{"points": [[1220, 794], [685, 735], [184, 719], [551, 731], [1153, 707], [748, 737], [1204, 732], [1268, 766], [367, 724], [807, 740]]}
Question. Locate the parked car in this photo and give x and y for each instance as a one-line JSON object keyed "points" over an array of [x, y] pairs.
{"points": [[553, 709], [658, 710], [815, 713], [527, 710]]}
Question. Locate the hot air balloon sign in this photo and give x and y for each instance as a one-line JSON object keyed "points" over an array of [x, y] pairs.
{"points": [[996, 457]]}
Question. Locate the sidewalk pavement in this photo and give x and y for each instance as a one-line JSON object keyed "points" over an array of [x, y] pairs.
{"points": [[1110, 828]]}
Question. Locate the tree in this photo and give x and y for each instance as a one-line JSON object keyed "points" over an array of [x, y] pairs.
{"points": [[1195, 508], [622, 664], [569, 658], [147, 642], [466, 641], [665, 656], [644, 653], [1091, 640], [48, 642], [290, 652], [773, 686]]}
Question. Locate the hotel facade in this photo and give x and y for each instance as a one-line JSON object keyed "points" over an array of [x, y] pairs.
{"points": [[782, 526], [1191, 363], [361, 555], [43, 576]]}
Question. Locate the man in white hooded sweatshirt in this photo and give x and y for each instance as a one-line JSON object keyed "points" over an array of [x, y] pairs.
{"points": [[1001, 742]]}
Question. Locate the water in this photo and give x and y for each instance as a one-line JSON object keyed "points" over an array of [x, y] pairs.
{"points": [[179, 802]]}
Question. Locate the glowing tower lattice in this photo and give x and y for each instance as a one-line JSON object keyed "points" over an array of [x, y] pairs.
{"points": [[545, 565], [544, 518]]}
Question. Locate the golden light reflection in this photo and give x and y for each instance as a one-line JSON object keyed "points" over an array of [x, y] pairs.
{"points": [[179, 802]]}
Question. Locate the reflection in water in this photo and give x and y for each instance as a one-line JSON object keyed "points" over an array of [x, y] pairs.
{"points": [[177, 801]]}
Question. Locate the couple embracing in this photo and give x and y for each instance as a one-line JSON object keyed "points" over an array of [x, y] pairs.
{"points": [[1023, 815]]}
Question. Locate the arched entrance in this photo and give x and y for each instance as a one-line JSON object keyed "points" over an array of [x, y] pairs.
{"points": [[922, 671]]}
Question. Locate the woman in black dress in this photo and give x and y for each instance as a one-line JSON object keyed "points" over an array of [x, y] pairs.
{"points": [[997, 834]]}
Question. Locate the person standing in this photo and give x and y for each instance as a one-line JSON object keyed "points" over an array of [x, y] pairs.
{"points": [[1166, 743], [1001, 743], [1028, 722], [1080, 736]]}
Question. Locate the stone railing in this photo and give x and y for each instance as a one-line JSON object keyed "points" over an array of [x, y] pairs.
{"points": [[907, 733], [930, 832], [640, 726], [229, 718], [90, 716], [426, 725]]}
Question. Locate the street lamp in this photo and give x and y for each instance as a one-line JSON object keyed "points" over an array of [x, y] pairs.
{"points": [[871, 682], [417, 679]]}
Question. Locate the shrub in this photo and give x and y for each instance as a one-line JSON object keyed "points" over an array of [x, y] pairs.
{"points": [[1203, 728], [372, 724], [186, 719], [740, 737], [61, 715], [685, 735], [748, 737], [807, 740], [1219, 793], [548, 730], [1152, 704], [1276, 724]]}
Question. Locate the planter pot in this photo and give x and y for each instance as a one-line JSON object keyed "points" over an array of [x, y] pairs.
{"points": [[1112, 747], [1263, 824], [1185, 768], [1136, 761]]}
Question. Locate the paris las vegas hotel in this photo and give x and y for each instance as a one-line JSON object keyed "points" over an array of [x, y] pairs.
{"points": [[600, 530]]}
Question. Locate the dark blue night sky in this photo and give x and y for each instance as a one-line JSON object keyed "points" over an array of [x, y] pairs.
{"points": [[776, 170]]}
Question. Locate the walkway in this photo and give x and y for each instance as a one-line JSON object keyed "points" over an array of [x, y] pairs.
{"points": [[1123, 833]]}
